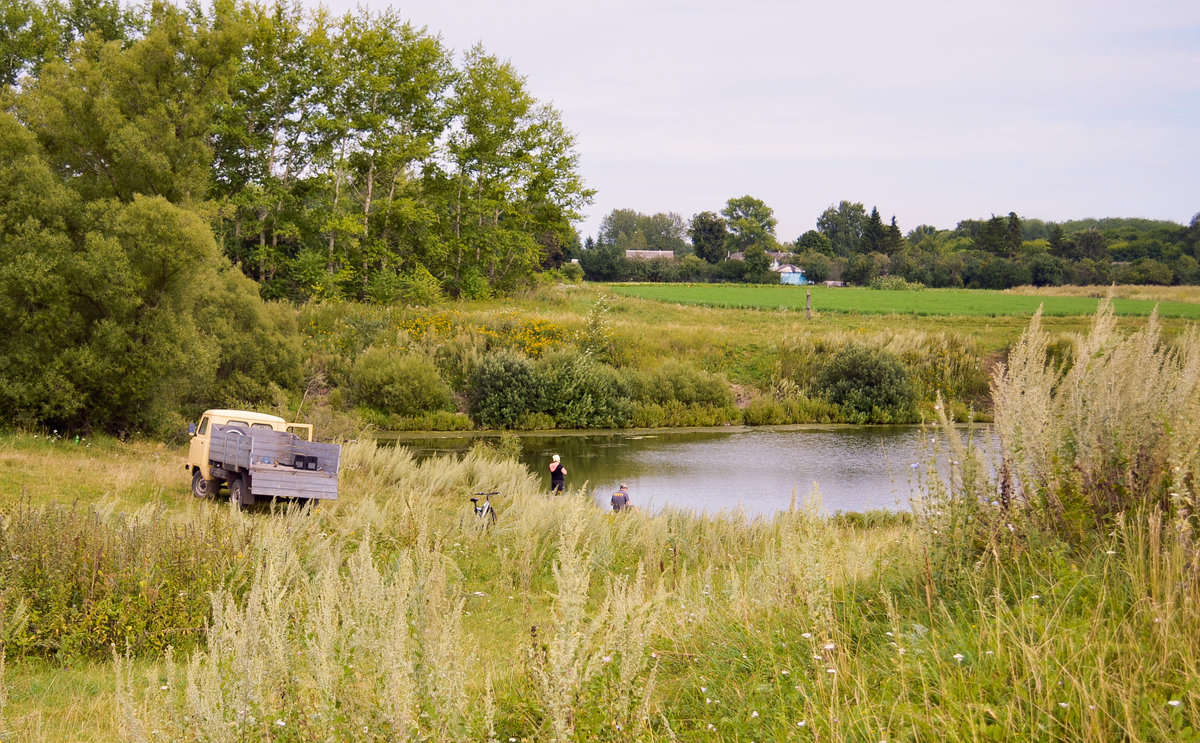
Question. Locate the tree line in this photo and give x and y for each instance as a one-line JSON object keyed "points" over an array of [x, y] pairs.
{"points": [[849, 243], [166, 168]]}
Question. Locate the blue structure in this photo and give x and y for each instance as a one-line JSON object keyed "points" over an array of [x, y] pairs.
{"points": [[792, 275]]}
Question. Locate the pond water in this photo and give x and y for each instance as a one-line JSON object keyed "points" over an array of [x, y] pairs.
{"points": [[755, 470]]}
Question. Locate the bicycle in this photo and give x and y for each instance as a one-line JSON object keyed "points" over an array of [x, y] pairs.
{"points": [[484, 514]]}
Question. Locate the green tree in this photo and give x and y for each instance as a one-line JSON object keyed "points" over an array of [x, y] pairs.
{"points": [[135, 120], [873, 233], [709, 236], [750, 222], [815, 242], [844, 225]]}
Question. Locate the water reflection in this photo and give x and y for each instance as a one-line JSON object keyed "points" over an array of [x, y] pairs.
{"points": [[852, 468]]}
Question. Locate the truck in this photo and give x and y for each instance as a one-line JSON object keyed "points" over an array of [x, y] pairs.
{"points": [[259, 456]]}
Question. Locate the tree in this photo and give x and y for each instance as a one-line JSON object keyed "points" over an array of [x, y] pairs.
{"points": [[750, 222], [843, 225], [124, 121], [814, 241], [709, 236], [893, 239], [872, 237]]}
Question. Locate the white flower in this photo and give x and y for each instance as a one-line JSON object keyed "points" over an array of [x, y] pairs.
{"points": [[1174, 702], [830, 670], [889, 633], [280, 723], [607, 659], [1036, 596], [958, 657], [807, 635], [802, 723], [1063, 705], [703, 689], [989, 652], [830, 646], [754, 713], [1110, 552], [163, 687], [784, 672]]}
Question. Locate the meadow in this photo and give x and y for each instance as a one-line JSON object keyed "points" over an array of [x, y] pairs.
{"points": [[939, 302], [1052, 599]]}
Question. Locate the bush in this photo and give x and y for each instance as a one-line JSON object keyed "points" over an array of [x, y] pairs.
{"points": [[583, 393], [676, 381], [895, 284], [391, 382], [870, 385], [504, 387]]}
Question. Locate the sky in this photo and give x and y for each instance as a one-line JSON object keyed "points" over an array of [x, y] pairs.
{"points": [[934, 112]]}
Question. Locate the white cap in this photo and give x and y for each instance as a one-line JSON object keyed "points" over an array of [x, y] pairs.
{"points": [[555, 457]]}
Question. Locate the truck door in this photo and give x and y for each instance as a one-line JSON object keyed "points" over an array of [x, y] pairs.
{"points": [[198, 448]]}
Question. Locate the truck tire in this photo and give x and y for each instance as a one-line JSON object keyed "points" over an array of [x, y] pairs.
{"points": [[202, 487], [237, 492]]}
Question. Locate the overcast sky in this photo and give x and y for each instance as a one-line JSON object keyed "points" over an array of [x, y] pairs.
{"points": [[932, 111]]}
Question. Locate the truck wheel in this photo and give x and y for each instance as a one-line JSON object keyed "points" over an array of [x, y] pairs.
{"points": [[203, 487], [237, 491]]}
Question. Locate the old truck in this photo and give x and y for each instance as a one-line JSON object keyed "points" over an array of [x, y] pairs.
{"points": [[259, 456]]}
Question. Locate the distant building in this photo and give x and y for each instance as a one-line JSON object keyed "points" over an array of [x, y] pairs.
{"points": [[835, 283], [789, 274], [645, 255]]}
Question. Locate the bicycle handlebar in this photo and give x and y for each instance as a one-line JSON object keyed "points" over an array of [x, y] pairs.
{"points": [[494, 492]]}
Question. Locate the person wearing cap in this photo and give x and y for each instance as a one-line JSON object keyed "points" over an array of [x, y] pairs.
{"points": [[558, 475], [620, 499]]}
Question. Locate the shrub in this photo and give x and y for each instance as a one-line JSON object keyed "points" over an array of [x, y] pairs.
{"points": [[504, 387], [395, 383], [895, 284], [870, 385], [583, 393], [677, 381]]}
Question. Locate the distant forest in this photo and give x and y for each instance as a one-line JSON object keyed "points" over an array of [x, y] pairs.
{"points": [[851, 244]]}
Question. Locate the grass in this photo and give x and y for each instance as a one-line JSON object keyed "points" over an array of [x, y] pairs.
{"points": [[385, 615], [941, 302]]}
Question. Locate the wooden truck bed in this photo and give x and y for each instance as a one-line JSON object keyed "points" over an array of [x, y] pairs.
{"points": [[276, 463]]}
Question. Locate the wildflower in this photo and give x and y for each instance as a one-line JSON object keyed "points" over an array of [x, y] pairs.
{"points": [[754, 713], [1174, 702], [817, 657], [989, 652], [784, 672], [1036, 596], [958, 657], [163, 687], [807, 635], [830, 646], [703, 689], [280, 723], [802, 723], [830, 670], [1064, 705], [1110, 552], [889, 633], [607, 659]]}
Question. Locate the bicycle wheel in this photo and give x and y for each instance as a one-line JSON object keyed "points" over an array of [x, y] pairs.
{"points": [[491, 516]]}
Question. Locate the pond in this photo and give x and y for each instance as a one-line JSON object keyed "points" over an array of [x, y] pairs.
{"points": [[756, 470]]}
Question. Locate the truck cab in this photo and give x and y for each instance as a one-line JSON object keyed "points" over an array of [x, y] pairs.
{"points": [[204, 484]]}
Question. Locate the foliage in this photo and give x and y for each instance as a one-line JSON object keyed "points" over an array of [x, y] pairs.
{"points": [[709, 234], [895, 284], [78, 581], [503, 387], [870, 385], [397, 383], [582, 392]]}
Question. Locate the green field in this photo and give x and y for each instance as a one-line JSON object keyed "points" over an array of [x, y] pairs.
{"points": [[959, 302]]}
